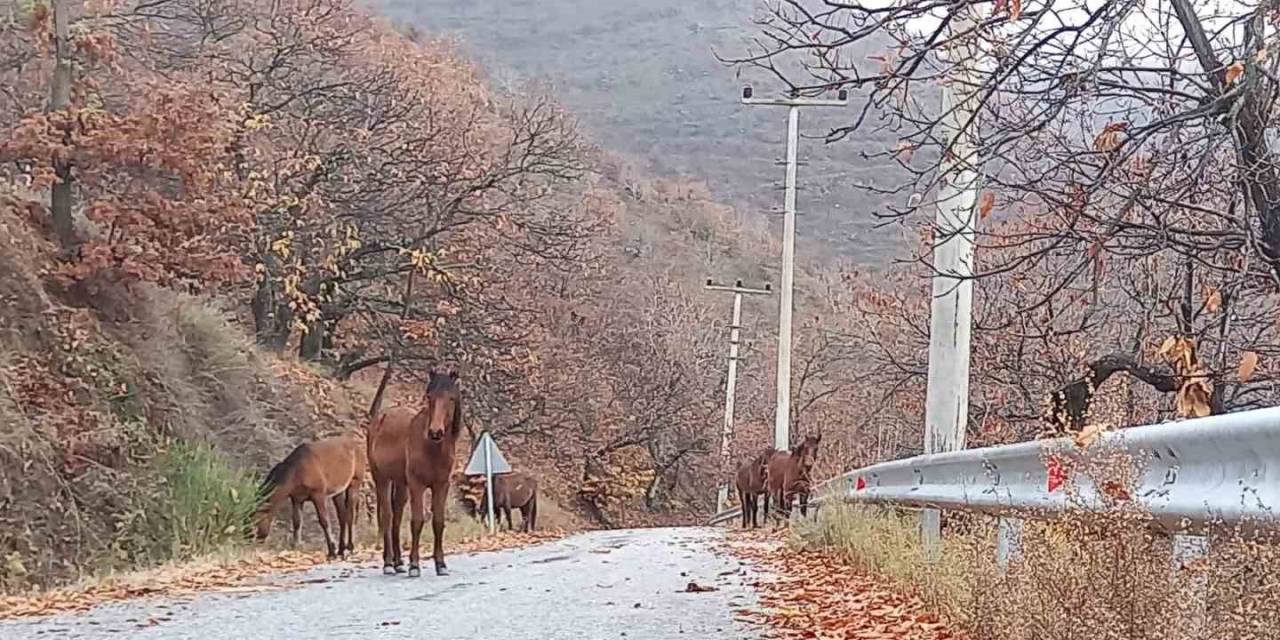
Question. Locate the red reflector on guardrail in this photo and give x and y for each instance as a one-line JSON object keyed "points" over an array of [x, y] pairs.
{"points": [[1057, 474]]}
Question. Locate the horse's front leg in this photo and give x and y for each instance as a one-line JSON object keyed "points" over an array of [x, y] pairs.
{"points": [[417, 518], [439, 495]]}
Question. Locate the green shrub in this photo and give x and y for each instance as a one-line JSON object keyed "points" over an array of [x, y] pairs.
{"points": [[200, 504]]}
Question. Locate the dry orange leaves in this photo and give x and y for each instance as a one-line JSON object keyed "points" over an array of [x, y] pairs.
{"points": [[817, 594], [1111, 137], [254, 572], [1193, 398]]}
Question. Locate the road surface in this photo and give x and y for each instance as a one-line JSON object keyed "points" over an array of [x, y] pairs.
{"points": [[606, 584]]}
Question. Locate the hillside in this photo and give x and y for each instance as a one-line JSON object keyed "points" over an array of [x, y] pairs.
{"points": [[644, 80]]}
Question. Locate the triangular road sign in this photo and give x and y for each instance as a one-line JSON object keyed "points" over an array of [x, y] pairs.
{"points": [[498, 464]]}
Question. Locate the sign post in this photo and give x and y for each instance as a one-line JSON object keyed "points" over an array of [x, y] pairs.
{"points": [[488, 461]]}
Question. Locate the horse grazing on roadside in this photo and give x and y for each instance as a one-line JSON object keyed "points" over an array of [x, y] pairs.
{"points": [[513, 491], [330, 468], [789, 476], [750, 481], [410, 452]]}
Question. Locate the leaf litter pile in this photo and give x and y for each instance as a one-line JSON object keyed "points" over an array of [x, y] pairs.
{"points": [[249, 573], [817, 594]]}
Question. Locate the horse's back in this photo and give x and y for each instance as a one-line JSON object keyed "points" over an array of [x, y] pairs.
{"points": [[341, 459], [780, 464], [518, 488]]}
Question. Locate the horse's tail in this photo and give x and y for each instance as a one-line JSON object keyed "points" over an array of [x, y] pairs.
{"points": [[533, 511], [279, 475], [353, 502]]}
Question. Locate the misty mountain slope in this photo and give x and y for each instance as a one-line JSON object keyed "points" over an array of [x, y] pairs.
{"points": [[642, 77]]}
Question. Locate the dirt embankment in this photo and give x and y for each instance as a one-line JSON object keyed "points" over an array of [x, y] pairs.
{"points": [[98, 396]]}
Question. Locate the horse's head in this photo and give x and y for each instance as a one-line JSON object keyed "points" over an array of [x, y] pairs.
{"points": [[807, 452], [263, 526], [762, 461], [443, 411]]}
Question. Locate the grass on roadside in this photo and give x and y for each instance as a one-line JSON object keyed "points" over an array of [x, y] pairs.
{"points": [[886, 542], [1079, 577]]}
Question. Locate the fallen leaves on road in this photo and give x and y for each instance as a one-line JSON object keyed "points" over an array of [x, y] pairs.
{"points": [[244, 574], [176, 580], [816, 594]]}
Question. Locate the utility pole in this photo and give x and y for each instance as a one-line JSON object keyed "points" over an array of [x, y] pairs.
{"points": [[951, 310], [793, 103], [726, 434]]}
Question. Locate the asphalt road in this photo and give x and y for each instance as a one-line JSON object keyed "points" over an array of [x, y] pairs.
{"points": [[607, 584]]}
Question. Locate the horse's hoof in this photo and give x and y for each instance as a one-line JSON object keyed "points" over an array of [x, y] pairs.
{"points": [[415, 572], [388, 570], [442, 570]]}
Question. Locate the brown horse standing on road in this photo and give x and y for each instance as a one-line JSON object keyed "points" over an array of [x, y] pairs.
{"points": [[408, 453], [788, 476], [513, 490], [317, 471], [750, 481]]}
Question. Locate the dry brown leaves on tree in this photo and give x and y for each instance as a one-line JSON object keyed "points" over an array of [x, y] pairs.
{"points": [[1193, 399], [248, 573], [817, 594]]}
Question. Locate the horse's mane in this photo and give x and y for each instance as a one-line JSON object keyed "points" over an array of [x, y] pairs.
{"points": [[441, 383], [280, 473]]}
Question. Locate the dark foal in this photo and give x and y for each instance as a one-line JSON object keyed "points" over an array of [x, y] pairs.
{"points": [[750, 481], [788, 476], [513, 491], [410, 452]]}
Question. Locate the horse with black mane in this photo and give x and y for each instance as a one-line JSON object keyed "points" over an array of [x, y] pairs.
{"points": [[409, 452], [330, 468]]}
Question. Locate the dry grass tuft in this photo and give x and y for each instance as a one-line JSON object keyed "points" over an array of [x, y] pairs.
{"points": [[1081, 577]]}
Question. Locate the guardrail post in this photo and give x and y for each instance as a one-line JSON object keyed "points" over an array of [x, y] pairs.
{"points": [[930, 534], [1189, 553], [1008, 542]]}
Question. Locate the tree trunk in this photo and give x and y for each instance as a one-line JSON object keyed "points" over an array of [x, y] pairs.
{"points": [[61, 201], [1258, 173], [271, 318], [311, 346], [406, 302]]}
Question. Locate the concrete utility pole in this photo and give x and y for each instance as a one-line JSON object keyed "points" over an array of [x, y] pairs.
{"points": [[793, 103], [726, 434], [951, 317]]}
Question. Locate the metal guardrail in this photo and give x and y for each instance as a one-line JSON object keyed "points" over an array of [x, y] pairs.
{"points": [[1220, 469]]}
